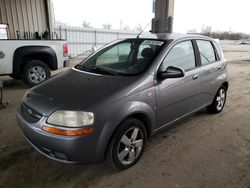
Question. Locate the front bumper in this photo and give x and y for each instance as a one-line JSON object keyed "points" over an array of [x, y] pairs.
{"points": [[66, 149]]}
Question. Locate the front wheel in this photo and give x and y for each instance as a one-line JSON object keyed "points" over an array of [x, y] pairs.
{"points": [[219, 101], [35, 72], [128, 144]]}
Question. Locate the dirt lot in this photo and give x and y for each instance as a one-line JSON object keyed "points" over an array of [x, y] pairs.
{"points": [[202, 151]]}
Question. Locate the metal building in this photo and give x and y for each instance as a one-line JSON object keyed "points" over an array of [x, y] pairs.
{"points": [[27, 19]]}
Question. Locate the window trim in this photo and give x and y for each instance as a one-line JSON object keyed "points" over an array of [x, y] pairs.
{"points": [[169, 50]]}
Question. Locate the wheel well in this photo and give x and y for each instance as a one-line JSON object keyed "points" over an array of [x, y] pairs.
{"points": [[42, 57], [139, 116], [145, 120], [225, 84]]}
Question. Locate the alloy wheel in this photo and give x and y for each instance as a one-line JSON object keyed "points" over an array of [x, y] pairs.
{"points": [[130, 145], [37, 74], [220, 99]]}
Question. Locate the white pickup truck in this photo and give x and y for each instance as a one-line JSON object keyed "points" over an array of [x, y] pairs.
{"points": [[32, 60]]}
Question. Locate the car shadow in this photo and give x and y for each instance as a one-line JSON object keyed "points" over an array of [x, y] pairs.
{"points": [[11, 83], [173, 129], [28, 167]]}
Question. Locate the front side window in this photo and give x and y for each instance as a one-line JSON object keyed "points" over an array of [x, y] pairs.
{"points": [[181, 56], [206, 51], [129, 57]]}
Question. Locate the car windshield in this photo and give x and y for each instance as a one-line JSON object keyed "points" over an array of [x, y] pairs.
{"points": [[128, 57]]}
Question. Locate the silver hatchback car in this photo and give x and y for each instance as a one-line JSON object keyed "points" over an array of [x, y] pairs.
{"points": [[107, 106]]}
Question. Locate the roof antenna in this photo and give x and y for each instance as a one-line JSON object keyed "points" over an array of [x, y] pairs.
{"points": [[143, 30]]}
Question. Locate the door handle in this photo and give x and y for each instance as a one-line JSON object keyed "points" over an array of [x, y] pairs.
{"points": [[2, 55], [195, 77], [219, 67]]}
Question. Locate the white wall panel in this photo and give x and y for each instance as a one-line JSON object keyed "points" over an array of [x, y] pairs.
{"points": [[82, 39], [28, 16]]}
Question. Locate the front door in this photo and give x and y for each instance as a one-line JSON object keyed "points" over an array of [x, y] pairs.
{"points": [[179, 96]]}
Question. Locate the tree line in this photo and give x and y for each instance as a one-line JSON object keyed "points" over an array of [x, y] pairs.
{"points": [[222, 35]]}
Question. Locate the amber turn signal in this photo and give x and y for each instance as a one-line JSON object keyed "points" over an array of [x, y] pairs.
{"points": [[66, 132]]}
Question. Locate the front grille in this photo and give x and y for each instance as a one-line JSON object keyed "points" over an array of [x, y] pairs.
{"points": [[30, 114]]}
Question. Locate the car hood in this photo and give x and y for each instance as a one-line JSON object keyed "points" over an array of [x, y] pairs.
{"points": [[75, 90]]}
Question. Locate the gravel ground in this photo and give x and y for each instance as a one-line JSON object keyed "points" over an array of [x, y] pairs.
{"points": [[201, 151], [236, 52]]}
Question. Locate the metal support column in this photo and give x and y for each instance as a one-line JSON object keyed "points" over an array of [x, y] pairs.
{"points": [[163, 20]]}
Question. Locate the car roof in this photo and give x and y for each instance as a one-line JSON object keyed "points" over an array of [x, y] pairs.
{"points": [[172, 36]]}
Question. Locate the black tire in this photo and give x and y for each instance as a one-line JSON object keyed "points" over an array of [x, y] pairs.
{"points": [[40, 71], [218, 102], [127, 127]]}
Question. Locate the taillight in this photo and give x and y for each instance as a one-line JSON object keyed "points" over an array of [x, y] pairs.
{"points": [[65, 49]]}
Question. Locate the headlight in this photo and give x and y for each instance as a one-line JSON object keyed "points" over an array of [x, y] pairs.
{"points": [[71, 118]]}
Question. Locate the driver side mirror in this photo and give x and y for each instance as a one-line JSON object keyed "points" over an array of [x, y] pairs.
{"points": [[171, 72]]}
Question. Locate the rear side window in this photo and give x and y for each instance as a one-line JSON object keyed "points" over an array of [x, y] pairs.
{"points": [[206, 51], [181, 56]]}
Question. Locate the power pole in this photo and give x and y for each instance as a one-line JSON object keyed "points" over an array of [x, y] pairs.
{"points": [[163, 20]]}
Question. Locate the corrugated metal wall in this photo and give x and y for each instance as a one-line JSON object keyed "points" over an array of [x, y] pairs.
{"points": [[82, 39], [24, 16]]}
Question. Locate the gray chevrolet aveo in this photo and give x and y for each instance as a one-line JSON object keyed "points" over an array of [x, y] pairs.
{"points": [[107, 106]]}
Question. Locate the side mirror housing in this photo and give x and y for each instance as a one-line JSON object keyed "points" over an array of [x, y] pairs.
{"points": [[171, 72]]}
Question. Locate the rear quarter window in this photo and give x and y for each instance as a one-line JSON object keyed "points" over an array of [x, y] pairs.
{"points": [[217, 48]]}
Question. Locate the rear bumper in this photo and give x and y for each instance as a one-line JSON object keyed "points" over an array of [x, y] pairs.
{"points": [[66, 149]]}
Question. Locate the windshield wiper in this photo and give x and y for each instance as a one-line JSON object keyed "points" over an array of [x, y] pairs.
{"points": [[98, 70], [102, 70], [83, 68]]}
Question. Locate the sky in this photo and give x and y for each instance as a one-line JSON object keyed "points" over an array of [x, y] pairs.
{"points": [[221, 15]]}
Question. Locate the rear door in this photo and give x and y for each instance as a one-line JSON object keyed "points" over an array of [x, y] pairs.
{"points": [[212, 68], [179, 96]]}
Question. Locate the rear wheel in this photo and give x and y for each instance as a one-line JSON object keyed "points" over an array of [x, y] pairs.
{"points": [[128, 144], [35, 72], [219, 101]]}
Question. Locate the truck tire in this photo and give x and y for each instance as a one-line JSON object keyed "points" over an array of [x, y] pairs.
{"points": [[35, 72]]}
